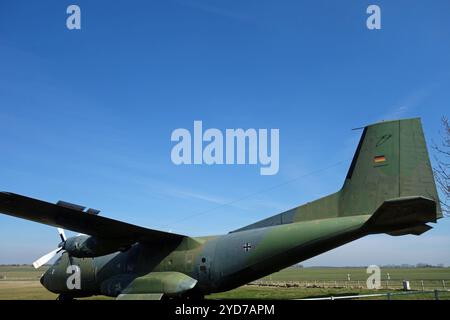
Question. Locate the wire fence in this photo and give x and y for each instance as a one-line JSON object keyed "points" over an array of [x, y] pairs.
{"points": [[422, 285], [429, 295]]}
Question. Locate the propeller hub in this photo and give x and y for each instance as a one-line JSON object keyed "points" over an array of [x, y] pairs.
{"points": [[44, 259]]}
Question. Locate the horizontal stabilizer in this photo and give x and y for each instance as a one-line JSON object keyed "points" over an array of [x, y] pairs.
{"points": [[417, 231], [403, 216]]}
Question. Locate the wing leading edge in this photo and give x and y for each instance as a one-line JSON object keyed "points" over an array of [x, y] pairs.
{"points": [[79, 221]]}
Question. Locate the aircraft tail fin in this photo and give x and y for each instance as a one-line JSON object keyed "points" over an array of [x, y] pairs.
{"points": [[390, 179]]}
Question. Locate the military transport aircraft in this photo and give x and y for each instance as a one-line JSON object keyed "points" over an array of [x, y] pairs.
{"points": [[389, 188]]}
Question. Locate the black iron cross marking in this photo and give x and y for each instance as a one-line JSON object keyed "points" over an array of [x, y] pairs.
{"points": [[247, 247]]}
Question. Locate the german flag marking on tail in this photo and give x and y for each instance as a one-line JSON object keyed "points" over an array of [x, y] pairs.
{"points": [[379, 159]]}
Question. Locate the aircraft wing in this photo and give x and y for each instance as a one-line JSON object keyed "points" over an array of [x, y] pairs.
{"points": [[72, 217]]}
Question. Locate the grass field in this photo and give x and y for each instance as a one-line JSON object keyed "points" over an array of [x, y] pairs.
{"points": [[254, 292], [22, 282], [332, 274], [391, 278]]}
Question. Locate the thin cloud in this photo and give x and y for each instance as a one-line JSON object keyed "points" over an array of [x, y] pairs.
{"points": [[408, 104], [197, 195]]}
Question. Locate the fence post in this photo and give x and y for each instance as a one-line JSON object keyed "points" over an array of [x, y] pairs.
{"points": [[443, 284], [423, 287], [389, 296], [436, 295]]}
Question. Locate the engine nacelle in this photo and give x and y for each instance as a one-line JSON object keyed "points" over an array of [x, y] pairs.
{"points": [[84, 246]]}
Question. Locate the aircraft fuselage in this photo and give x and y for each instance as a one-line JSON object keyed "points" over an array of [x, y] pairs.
{"points": [[218, 263]]}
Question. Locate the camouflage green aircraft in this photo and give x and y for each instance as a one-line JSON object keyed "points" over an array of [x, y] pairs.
{"points": [[389, 188]]}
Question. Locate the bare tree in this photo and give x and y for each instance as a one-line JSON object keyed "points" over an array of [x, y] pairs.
{"points": [[442, 167]]}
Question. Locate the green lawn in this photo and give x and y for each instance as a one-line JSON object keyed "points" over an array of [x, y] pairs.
{"points": [[21, 272], [254, 292], [340, 274], [21, 282]]}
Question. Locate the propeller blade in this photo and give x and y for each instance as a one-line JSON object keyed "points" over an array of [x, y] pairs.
{"points": [[44, 259], [62, 234]]}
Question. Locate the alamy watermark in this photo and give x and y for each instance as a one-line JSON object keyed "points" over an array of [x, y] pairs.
{"points": [[374, 280], [373, 22], [73, 21], [234, 146], [74, 279]]}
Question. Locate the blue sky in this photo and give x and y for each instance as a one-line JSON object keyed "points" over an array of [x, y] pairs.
{"points": [[86, 115]]}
